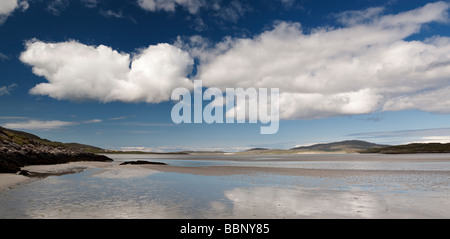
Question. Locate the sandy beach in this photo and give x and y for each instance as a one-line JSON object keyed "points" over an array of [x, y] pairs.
{"points": [[319, 173], [8, 181]]}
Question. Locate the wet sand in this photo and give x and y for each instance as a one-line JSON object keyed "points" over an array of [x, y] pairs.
{"points": [[242, 170], [60, 169], [255, 191], [113, 168], [7, 181]]}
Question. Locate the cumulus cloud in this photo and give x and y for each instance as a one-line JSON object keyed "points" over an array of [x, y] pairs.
{"points": [[364, 66], [436, 100], [7, 7], [79, 72]]}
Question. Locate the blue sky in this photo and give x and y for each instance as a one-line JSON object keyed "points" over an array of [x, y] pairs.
{"points": [[100, 72]]}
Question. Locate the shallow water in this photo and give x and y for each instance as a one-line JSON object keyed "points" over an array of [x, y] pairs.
{"points": [[135, 192], [419, 162]]}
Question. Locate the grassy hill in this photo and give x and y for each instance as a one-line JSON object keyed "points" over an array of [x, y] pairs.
{"points": [[411, 149], [349, 146], [18, 149], [22, 138]]}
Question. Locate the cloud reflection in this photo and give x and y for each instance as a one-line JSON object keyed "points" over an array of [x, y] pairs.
{"points": [[276, 202]]}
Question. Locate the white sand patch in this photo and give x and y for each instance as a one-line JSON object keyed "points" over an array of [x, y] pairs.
{"points": [[66, 168], [7, 180]]}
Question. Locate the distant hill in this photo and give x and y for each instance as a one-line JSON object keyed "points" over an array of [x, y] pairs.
{"points": [[23, 138], [411, 149], [198, 152], [84, 147], [349, 146], [256, 149], [18, 149]]}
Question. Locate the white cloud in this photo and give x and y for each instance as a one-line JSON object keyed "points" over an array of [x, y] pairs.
{"points": [[229, 11], [57, 6], [7, 7], [287, 3], [360, 68], [367, 65], [357, 17], [407, 136], [233, 11], [44, 125], [39, 125], [3, 57], [78, 72], [12, 117], [110, 13], [90, 3], [6, 90], [119, 118], [434, 139], [92, 121], [170, 5], [435, 100]]}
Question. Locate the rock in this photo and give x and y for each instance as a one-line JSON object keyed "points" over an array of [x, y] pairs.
{"points": [[24, 173], [19, 149], [140, 162]]}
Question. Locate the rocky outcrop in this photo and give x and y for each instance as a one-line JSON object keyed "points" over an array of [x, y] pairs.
{"points": [[140, 162], [19, 151]]}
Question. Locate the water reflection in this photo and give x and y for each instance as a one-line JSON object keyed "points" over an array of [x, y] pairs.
{"points": [[276, 202], [124, 209], [344, 161], [136, 192]]}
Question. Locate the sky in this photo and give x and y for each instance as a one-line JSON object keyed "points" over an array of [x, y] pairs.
{"points": [[101, 72]]}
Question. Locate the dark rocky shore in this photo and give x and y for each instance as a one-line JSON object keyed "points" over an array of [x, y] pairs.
{"points": [[19, 149], [139, 162]]}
